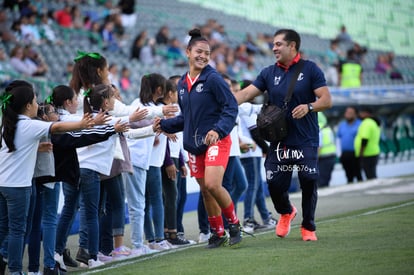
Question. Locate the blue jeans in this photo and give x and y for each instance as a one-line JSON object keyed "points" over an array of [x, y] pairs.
{"points": [[32, 209], [234, 179], [255, 193], [90, 189], [14, 207], [67, 215], [154, 208], [49, 221], [181, 199], [135, 194], [45, 215], [112, 218], [83, 228], [34, 236]]}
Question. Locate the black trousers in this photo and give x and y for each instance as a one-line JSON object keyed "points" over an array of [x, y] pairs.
{"points": [[326, 165], [351, 166], [280, 164], [369, 165]]}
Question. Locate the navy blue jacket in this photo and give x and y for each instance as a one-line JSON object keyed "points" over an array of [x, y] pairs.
{"points": [[209, 105]]}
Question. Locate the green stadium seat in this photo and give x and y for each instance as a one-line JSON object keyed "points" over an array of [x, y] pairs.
{"points": [[366, 20], [389, 148]]}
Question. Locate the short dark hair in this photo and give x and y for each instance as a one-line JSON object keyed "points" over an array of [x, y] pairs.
{"points": [[290, 35]]}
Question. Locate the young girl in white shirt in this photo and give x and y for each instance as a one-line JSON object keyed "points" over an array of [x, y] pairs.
{"points": [[20, 136], [95, 160]]}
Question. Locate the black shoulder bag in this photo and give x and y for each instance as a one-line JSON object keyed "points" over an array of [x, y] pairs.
{"points": [[271, 121]]}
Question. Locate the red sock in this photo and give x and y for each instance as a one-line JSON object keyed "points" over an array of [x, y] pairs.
{"points": [[216, 224], [230, 214]]}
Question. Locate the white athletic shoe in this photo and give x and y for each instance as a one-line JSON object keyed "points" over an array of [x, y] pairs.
{"points": [[160, 246], [143, 250], [94, 263], [59, 260], [203, 238]]}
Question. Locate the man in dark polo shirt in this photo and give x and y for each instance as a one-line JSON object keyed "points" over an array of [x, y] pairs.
{"points": [[299, 150]]}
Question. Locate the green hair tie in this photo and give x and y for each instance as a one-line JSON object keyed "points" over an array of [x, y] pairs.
{"points": [[87, 92], [49, 99], [5, 100], [83, 54]]}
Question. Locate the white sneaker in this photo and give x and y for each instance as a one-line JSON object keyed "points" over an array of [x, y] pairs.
{"points": [[103, 258], [35, 273], [203, 238], [82, 265], [270, 223], [250, 225], [59, 260], [143, 250], [163, 245], [94, 263], [121, 252]]}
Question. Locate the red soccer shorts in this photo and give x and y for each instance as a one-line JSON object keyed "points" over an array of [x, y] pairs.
{"points": [[216, 155]]}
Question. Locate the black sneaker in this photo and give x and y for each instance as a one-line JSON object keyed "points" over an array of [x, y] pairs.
{"points": [[82, 256], [67, 259], [216, 241], [48, 271], [178, 241], [235, 234]]}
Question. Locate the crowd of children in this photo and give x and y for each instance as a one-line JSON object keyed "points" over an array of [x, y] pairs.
{"points": [[104, 155]]}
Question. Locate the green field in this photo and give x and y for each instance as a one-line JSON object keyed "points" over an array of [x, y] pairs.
{"points": [[377, 240]]}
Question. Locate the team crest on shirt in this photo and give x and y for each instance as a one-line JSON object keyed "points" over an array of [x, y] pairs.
{"points": [[277, 80], [199, 88], [181, 93]]}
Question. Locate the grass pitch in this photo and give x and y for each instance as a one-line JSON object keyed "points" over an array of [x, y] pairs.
{"points": [[371, 241]]}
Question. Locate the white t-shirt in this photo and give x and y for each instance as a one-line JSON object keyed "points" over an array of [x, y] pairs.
{"points": [[248, 113], [17, 168], [245, 122], [99, 156], [235, 144]]}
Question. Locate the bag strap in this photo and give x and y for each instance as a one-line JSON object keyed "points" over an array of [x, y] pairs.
{"points": [[293, 82], [291, 86]]}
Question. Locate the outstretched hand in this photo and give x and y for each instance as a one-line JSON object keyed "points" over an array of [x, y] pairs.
{"points": [[102, 118], [138, 114], [87, 121], [121, 127], [169, 110]]}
